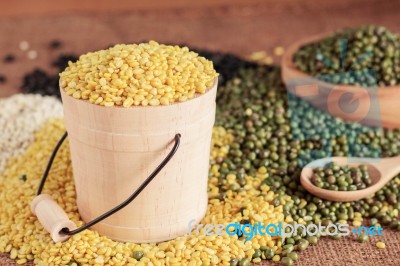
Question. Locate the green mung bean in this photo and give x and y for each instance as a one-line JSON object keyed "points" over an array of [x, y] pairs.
{"points": [[286, 261], [138, 254], [293, 256], [363, 238], [233, 262], [257, 253], [312, 240], [269, 253], [244, 262]]}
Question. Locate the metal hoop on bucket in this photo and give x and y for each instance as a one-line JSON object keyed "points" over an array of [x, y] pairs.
{"points": [[65, 230]]}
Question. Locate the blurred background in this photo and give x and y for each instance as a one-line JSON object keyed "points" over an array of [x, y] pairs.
{"points": [[33, 34]]}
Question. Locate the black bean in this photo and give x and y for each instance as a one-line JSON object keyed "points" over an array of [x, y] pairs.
{"points": [[9, 58], [3, 79], [55, 44]]}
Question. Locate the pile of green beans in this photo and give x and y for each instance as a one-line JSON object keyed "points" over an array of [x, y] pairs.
{"points": [[341, 178], [283, 133], [367, 56]]}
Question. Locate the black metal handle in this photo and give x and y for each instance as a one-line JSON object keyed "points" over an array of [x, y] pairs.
{"points": [[66, 231]]}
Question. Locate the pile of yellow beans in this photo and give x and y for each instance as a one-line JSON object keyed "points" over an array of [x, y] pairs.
{"points": [[146, 74], [24, 238]]}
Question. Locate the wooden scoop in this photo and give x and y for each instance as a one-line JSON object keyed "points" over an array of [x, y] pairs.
{"points": [[381, 172]]}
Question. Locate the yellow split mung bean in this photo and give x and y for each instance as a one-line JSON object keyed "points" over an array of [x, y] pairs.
{"points": [[380, 245], [146, 74]]}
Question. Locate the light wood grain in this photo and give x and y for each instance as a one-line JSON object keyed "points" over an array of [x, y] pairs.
{"points": [[40, 7], [378, 107], [113, 150], [52, 217]]}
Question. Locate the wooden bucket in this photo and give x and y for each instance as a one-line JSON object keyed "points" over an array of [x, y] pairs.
{"points": [[114, 149]]}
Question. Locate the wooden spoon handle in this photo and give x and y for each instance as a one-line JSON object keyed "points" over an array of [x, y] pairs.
{"points": [[389, 167], [52, 217]]}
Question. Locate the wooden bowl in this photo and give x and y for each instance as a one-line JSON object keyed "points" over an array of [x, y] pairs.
{"points": [[377, 107]]}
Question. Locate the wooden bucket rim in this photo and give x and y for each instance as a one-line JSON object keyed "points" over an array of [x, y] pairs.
{"points": [[174, 104]]}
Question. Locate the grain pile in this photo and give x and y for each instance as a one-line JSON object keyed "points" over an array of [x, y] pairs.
{"points": [[20, 116]]}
